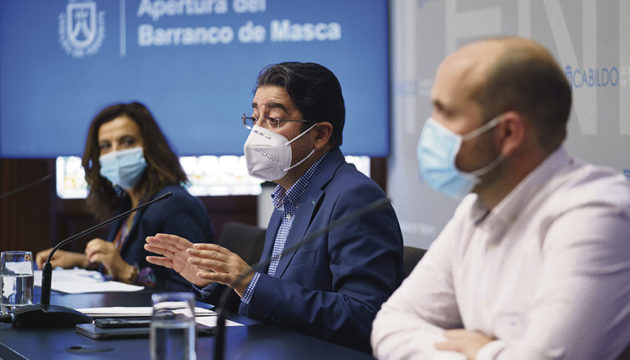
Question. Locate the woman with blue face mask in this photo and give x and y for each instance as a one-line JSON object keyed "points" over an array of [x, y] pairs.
{"points": [[127, 162]]}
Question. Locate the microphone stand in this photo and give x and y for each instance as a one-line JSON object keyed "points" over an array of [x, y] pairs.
{"points": [[219, 342], [46, 315], [24, 187]]}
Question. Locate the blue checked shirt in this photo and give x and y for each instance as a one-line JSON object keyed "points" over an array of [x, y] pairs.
{"points": [[287, 202]]}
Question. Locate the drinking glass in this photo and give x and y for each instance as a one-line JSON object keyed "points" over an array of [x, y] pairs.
{"points": [[173, 326], [16, 279]]}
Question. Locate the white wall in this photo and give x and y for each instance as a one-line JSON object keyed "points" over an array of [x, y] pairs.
{"points": [[586, 36]]}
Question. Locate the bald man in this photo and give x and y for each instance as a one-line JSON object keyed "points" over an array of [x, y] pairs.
{"points": [[535, 263]]}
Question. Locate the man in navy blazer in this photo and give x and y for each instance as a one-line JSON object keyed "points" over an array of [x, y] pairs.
{"points": [[330, 287]]}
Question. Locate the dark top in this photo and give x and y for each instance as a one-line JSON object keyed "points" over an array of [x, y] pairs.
{"points": [[181, 214]]}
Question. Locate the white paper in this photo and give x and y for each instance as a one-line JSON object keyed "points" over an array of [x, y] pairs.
{"points": [[212, 321], [75, 281], [128, 311]]}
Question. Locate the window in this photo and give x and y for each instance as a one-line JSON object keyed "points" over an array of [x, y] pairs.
{"points": [[208, 175]]}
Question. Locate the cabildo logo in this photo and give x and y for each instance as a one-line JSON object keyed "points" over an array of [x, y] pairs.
{"points": [[81, 28], [592, 77]]}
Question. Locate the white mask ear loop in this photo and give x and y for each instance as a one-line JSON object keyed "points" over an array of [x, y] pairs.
{"points": [[301, 161], [482, 129], [307, 156], [487, 168], [492, 164], [302, 134]]}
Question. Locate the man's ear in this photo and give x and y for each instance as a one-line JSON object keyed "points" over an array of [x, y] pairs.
{"points": [[511, 132], [323, 132]]}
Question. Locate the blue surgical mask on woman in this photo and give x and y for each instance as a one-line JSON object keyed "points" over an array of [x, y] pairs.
{"points": [[437, 151], [123, 168]]}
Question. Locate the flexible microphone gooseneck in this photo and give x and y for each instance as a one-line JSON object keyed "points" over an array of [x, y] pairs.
{"points": [[24, 187], [46, 315], [219, 343]]}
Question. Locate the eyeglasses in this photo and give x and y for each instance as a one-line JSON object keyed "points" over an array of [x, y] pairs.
{"points": [[250, 121]]}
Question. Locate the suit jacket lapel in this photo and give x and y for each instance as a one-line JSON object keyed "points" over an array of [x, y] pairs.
{"points": [[308, 205], [301, 222], [270, 236]]}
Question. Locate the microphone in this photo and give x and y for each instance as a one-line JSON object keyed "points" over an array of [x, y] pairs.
{"points": [[219, 343], [46, 315], [24, 187]]}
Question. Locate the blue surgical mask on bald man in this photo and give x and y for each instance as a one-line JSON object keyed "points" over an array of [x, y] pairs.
{"points": [[437, 152]]}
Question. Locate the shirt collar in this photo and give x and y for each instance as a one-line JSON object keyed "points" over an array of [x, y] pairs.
{"points": [[291, 197], [514, 203]]}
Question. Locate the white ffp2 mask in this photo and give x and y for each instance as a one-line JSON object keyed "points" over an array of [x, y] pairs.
{"points": [[268, 155]]}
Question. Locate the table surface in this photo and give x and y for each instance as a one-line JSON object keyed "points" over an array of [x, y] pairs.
{"points": [[253, 341]]}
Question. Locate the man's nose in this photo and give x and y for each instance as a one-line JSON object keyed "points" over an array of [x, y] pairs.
{"points": [[260, 120]]}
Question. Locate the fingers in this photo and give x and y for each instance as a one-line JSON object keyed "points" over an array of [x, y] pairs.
{"points": [[172, 240], [213, 265], [212, 260], [218, 264], [447, 346], [221, 278], [212, 247], [98, 246], [158, 260], [165, 243], [450, 334], [55, 261], [158, 250], [99, 258], [104, 252], [94, 242], [40, 258], [227, 279], [209, 254], [112, 261], [454, 340]]}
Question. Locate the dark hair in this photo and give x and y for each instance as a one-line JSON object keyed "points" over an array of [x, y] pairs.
{"points": [[163, 167], [524, 81], [314, 90]]}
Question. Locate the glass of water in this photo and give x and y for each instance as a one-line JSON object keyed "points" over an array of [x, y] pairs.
{"points": [[173, 326], [16, 279]]}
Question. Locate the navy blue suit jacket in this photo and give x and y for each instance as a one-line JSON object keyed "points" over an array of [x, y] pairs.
{"points": [[333, 286], [182, 215]]}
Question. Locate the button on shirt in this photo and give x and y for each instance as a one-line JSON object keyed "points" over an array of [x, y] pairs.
{"points": [[546, 273], [287, 202]]}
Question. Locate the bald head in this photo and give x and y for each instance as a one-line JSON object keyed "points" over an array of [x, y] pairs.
{"points": [[514, 74], [469, 65], [492, 49], [475, 62]]}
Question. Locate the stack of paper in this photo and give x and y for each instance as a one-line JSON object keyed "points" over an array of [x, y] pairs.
{"points": [[75, 281], [130, 311]]}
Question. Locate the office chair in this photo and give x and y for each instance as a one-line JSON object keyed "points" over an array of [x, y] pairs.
{"points": [[245, 240], [411, 257]]}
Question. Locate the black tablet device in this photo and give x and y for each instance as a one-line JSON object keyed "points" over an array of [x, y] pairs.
{"points": [[132, 329], [112, 323]]}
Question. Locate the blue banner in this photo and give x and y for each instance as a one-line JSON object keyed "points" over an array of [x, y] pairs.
{"points": [[192, 62]]}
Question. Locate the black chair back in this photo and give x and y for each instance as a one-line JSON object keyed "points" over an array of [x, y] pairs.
{"points": [[411, 257], [245, 240]]}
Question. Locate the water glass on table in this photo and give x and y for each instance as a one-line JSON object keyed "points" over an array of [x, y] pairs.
{"points": [[173, 326], [16, 279]]}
